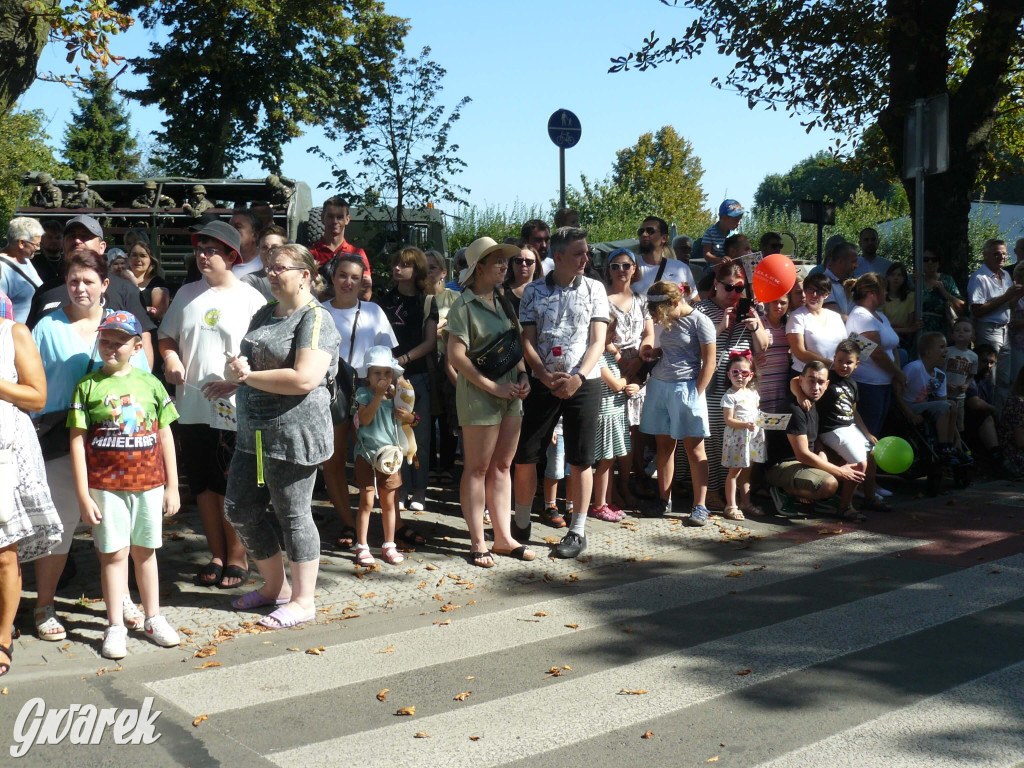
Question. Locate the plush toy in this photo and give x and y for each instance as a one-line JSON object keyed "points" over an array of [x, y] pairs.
{"points": [[405, 397]]}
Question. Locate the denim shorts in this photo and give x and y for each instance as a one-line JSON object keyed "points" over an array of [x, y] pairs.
{"points": [[674, 408]]}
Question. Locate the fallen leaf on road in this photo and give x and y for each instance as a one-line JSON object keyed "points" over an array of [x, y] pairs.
{"points": [[200, 719], [647, 734], [3, 691], [637, 692], [421, 735], [208, 665], [471, 677], [421, 585], [410, 570], [440, 582], [383, 695], [314, 651], [444, 623], [712, 759], [437, 597], [744, 672], [474, 738], [368, 595], [202, 653], [186, 631], [463, 696], [293, 649], [430, 567], [389, 649], [409, 711], [450, 607], [572, 626], [100, 672], [733, 574]]}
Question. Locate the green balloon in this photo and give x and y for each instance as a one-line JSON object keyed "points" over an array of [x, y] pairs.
{"points": [[893, 455]]}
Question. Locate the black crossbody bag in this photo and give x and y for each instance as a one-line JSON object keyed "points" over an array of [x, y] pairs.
{"points": [[344, 398], [504, 353]]}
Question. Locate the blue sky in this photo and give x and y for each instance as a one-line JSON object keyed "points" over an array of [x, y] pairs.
{"points": [[521, 61]]}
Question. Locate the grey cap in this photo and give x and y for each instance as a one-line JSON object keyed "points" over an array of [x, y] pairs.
{"points": [[198, 189], [86, 221], [82, 177], [150, 184], [224, 233]]}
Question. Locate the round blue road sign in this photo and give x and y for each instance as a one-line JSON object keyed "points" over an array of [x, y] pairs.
{"points": [[564, 129]]}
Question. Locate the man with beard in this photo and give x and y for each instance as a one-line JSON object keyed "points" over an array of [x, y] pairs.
{"points": [[869, 260], [656, 262]]}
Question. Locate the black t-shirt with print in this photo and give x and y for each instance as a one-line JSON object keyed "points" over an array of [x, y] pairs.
{"points": [[405, 313], [800, 423], [836, 406]]}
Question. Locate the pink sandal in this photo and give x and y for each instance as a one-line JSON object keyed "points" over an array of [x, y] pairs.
{"points": [[363, 556], [603, 512], [390, 554]]}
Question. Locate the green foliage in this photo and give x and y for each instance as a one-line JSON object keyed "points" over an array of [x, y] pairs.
{"points": [[237, 79], [98, 140], [823, 176], [404, 147], [24, 147], [499, 222], [660, 175]]}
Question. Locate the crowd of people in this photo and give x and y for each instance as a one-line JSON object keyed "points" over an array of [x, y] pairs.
{"points": [[648, 384]]}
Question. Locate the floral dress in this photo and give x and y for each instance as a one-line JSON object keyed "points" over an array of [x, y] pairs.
{"points": [[741, 447], [629, 332], [34, 524]]}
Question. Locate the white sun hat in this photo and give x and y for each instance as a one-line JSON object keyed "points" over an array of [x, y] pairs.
{"points": [[379, 357]]}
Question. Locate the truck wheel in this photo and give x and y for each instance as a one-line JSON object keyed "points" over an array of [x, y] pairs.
{"points": [[312, 229]]}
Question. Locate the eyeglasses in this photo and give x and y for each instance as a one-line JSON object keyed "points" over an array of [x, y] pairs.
{"points": [[737, 287], [274, 271], [209, 250], [520, 261], [932, 258], [620, 266], [647, 231], [741, 373]]}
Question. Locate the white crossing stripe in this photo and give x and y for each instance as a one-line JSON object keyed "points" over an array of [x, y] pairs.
{"points": [[589, 705], [358, 661], [975, 724]]}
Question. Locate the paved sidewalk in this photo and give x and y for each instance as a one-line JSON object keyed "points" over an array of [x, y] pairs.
{"points": [[437, 578]]}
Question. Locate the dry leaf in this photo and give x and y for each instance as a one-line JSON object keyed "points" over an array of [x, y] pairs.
{"points": [[430, 567], [449, 607], [444, 623], [202, 653], [474, 738], [200, 719], [3, 691], [421, 735], [733, 574], [383, 695], [186, 631], [368, 595], [410, 570], [100, 672], [552, 539], [389, 649], [313, 651], [567, 668], [437, 597], [712, 759], [410, 711], [440, 582], [744, 672], [572, 626], [471, 677], [421, 585], [293, 649], [647, 734], [463, 696], [207, 665], [637, 692]]}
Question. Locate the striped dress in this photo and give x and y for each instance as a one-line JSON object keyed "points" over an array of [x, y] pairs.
{"points": [[612, 426], [736, 338], [773, 370]]}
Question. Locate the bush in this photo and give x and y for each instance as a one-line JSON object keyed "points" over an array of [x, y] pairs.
{"points": [[493, 221]]}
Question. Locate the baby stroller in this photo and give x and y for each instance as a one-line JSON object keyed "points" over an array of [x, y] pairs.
{"points": [[928, 464]]}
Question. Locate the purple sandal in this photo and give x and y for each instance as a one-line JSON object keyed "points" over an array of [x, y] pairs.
{"points": [[254, 599]]}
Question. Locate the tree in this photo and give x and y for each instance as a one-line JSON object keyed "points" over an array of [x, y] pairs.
{"points": [[822, 176], [24, 147], [238, 79], [658, 176], [405, 149], [98, 140], [847, 66], [83, 29]]}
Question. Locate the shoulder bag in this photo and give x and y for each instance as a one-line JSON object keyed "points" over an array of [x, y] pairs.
{"points": [[343, 401], [504, 353]]}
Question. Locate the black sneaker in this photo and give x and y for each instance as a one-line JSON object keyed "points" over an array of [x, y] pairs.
{"points": [[522, 535], [571, 545]]}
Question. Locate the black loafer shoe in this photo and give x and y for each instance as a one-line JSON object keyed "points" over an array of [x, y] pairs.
{"points": [[572, 545]]}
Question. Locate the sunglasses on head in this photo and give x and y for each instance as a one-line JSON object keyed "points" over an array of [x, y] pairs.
{"points": [[620, 266], [737, 287], [647, 231], [523, 262]]}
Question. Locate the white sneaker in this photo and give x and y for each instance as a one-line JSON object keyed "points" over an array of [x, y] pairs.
{"points": [[115, 642], [880, 491], [133, 617], [161, 632], [416, 506]]}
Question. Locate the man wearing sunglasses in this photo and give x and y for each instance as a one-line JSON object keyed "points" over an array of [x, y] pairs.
{"points": [[869, 260], [656, 262]]}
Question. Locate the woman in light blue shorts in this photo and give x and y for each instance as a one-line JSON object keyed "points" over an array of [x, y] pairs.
{"points": [[675, 408]]}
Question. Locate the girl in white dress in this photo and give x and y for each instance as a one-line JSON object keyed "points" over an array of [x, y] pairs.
{"points": [[743, 442]]}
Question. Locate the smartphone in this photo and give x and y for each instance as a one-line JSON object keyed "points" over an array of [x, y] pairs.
{"points": [[743, 308]]}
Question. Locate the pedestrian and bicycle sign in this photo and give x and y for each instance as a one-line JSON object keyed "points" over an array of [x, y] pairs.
{"points": [[564, 129]]}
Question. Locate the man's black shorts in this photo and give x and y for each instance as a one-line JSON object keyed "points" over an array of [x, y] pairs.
{"points": [[541, 410], [205, 456]]}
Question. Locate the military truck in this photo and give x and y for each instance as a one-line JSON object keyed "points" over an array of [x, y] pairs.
{"points": [[169, 224]]}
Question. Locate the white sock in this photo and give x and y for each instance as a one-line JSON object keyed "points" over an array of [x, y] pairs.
{"points": [[522, 514], [578, 523]]}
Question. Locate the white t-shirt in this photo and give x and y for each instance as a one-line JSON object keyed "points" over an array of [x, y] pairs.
{"points": [[206, 322], [961, 366], [675, 271], [243, 268], [985, 285], [821, 334], [861, 320], [373, 330], [923, 386]]}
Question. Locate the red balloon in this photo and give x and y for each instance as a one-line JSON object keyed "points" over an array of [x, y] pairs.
{"points": [[774, 277]]}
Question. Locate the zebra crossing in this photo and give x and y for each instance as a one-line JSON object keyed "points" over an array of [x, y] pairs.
{"points": [[810, 655]]}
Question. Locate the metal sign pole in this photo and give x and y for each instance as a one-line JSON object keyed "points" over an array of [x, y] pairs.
{"points": [[561, 177], [922, 159]]}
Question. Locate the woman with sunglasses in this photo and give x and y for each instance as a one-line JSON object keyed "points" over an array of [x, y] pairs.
{"points": [[522, 270], [941, 301], [814, 331], [733, 332], [633, 328]]}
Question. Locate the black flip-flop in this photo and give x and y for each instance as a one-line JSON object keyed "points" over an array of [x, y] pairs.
{"points": [[8, 650], [519, 553], [233, 572], [210, 569], [408, 536], [347, 532], [480, 558]]}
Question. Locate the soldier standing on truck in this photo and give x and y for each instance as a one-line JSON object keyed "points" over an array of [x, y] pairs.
{"points": [[335, 217], [46, 194], [198, 205], [148, 198], [278, 191], [83, 197]]}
